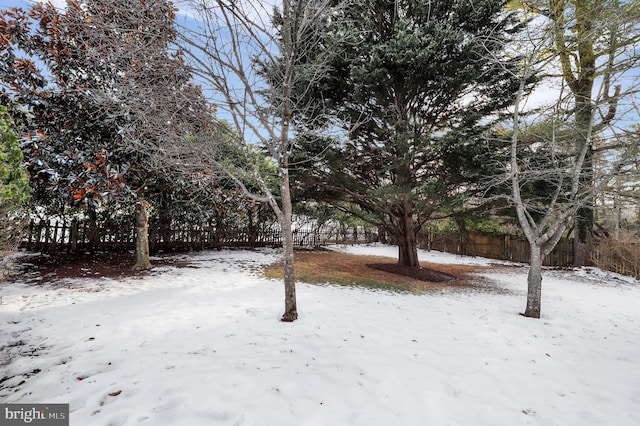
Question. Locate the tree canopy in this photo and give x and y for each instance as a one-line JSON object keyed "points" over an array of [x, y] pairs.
{"points": [[110, 92], [594, 43], [413, 87]]}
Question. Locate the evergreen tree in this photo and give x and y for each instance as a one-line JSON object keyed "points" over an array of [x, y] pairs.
{"points": [[413, 86], [14, 186], [112, 99]]}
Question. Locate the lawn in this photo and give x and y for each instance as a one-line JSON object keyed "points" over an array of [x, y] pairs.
{"points": [[198, 342]]}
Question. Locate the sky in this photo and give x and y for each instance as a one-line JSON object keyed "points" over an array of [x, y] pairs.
{"points": [[544, 94], [21, 3]]}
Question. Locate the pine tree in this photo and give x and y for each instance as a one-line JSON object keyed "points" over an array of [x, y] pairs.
{"points": [[411, 86]]}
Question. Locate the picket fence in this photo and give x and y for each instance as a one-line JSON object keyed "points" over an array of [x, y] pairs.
{"points": [[502, 247], [79, 237], [75, 237]]}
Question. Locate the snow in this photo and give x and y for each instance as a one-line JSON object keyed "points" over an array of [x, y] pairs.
{"points": [[203, 346], [434, 256]]}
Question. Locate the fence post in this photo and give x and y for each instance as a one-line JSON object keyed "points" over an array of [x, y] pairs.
{"points": [[44, 245], [55, 238], [73, 238], [505, 248], [63, 234]]}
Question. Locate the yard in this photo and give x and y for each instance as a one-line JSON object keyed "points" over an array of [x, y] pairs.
{"points": [[197, 342]]}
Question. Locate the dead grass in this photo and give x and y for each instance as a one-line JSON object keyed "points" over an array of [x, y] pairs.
{"points": [[321, 267]]}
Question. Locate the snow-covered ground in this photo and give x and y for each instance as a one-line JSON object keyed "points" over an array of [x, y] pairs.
{"points": [[203, 346]]}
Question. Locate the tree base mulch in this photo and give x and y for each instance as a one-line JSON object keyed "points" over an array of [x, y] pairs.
{"points": [[332, 267], [38, 268], [421, 273]]}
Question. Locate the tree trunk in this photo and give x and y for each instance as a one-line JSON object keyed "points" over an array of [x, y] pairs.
{"points": [[290, 54], [534, 283], [290, 304], [617, 212], [142, 237], [252, 228], [94, 232], [584, 219], [582, 88], [583, 237], [406, 240], [74, 232], [382, 235]]}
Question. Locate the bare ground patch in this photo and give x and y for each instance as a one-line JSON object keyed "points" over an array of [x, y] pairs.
{"points": [[56, 269], [321, 267]]}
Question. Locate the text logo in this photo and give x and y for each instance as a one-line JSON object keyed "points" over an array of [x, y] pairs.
{"points": [[34, 414]]}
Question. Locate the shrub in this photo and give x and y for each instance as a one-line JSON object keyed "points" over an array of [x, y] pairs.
{"points": [[14, 190]]}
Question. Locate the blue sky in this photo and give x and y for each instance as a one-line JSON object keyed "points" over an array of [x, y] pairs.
{"points": [[544, 94], [5, 4]]}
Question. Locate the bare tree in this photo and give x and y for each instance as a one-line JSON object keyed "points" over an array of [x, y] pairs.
{"points": [[248, 53], [593, 42], [552, 159]]}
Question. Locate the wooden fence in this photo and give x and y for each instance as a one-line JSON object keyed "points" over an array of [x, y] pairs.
{"points": [[504, 247], [75, 237], [622, 257]]}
